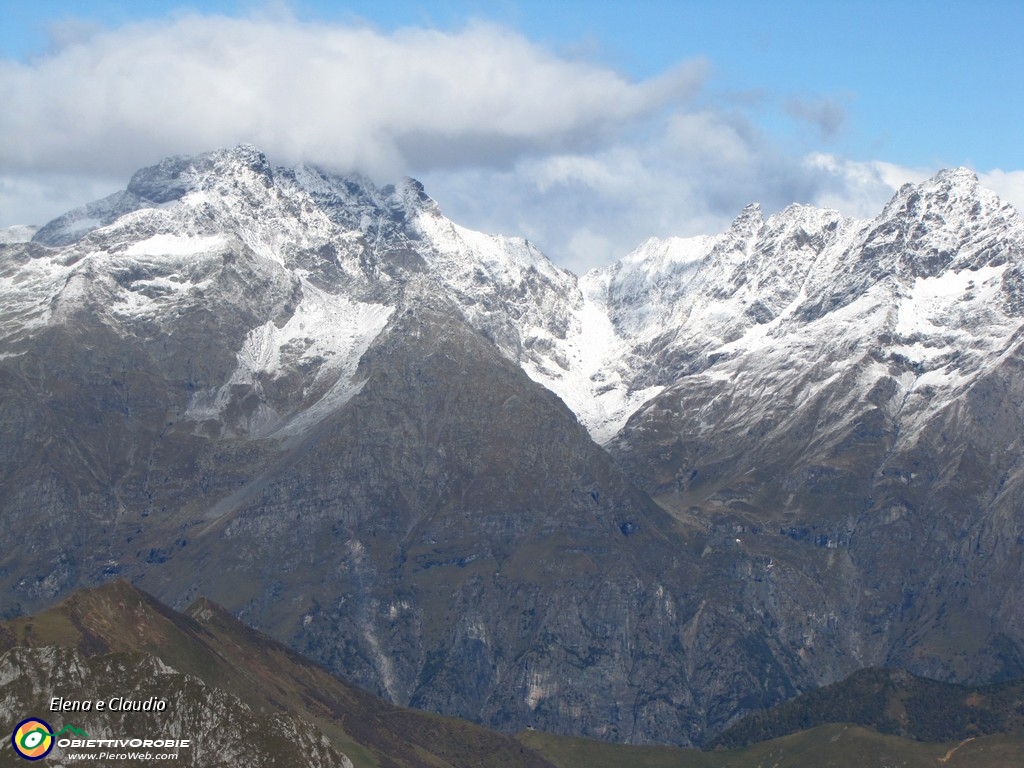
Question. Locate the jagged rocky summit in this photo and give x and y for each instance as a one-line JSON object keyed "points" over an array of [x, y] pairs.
{"points": [[634, 505]]}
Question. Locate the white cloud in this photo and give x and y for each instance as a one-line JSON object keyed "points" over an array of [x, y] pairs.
{"points": [[687, 174], [507, 136], [859, 188], [1009, 185], [827, 115], [35, 198], [347, 96]]}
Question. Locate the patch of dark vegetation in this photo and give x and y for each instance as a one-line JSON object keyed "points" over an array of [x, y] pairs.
{"points": [[891, 702]]}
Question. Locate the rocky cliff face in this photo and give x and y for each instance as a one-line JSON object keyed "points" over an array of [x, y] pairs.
{"points": [[372, 433]]}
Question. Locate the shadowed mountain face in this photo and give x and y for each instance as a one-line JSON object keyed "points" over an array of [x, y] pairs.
{"points": [[460, 543], [238, 696], [371, 433]]}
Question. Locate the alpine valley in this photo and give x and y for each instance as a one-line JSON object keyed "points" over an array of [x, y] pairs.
{"points": [[635, 506]]}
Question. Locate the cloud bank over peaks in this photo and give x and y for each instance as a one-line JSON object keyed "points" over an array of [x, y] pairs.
{"points": [[508, 136], [347, 96]]}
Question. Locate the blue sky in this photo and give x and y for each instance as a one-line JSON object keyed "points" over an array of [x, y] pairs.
{"points": [[647, 118]]}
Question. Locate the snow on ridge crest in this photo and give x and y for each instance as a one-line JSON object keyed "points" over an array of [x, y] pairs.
{"points": [[804, 288], [607, 342]]}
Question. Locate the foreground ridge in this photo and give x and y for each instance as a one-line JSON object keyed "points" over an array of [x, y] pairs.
{"points": [[227, 687]]}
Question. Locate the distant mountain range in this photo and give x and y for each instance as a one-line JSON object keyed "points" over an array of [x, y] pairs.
{"points": [[635, 505]]}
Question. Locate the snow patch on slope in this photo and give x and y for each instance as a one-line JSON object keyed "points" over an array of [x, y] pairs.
{"points": [[936, 303], [170, 244], [328, 332]]}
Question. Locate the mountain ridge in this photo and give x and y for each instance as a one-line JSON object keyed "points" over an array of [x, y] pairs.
{"points": [[604, 380], [371, 432]]}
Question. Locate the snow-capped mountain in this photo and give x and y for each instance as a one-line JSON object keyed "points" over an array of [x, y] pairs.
{"points": [[936, 273], [922, 302], [333, 410], [869, 405], [606, 343]]}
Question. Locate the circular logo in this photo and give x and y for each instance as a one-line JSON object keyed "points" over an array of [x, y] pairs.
{"points": [[32, 739]]}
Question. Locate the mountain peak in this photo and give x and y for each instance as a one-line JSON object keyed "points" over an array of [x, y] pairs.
{"points": [[411, 195], [946, 191], [960, 176], [947, 220], [175, 176], [749, 220], [166, 182]]}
